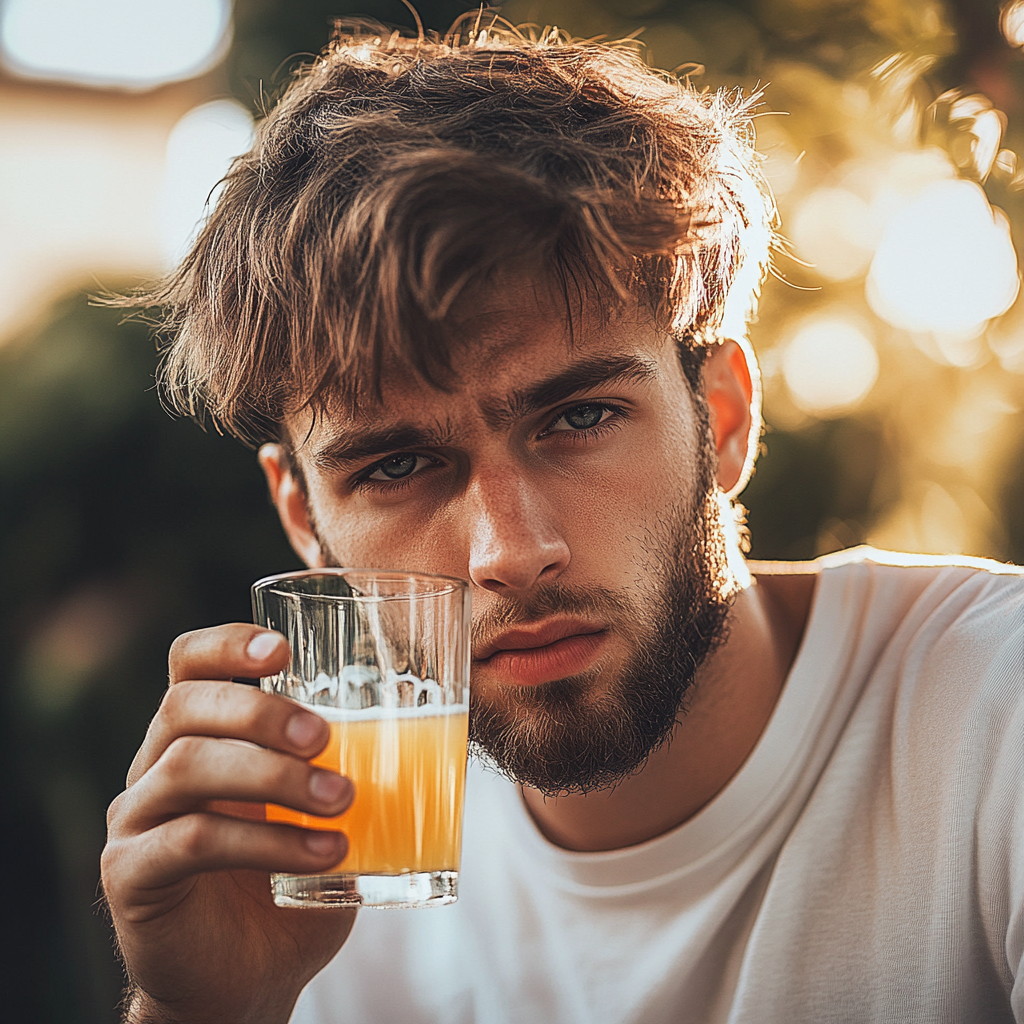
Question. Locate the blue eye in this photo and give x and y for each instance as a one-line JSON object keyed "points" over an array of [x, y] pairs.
{"points": [[397, 467], [583, 417]]}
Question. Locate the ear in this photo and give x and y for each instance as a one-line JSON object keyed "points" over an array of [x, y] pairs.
{"points": [[729, 390], [289, 497]]}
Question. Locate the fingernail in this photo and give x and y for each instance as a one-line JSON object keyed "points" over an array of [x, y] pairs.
{"points": [[303, 728], [327, 786], [321, 843], [262, 645]]}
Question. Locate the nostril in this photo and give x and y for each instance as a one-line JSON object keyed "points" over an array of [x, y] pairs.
{"points": [[515, 537], [519, 573]]}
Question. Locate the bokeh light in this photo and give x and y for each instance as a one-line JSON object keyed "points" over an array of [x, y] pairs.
{"points": [[829, 365], [200, 149], [133, 44], [1011, 21], [835, 230], [945, 263]]}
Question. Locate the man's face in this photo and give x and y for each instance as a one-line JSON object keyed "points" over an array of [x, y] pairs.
{"points": [[572, 483]]}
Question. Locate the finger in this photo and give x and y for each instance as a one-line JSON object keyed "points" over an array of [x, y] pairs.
{"points": [[236, 649], [239, 809], [213, 708], [195, 770], [195, 843]]}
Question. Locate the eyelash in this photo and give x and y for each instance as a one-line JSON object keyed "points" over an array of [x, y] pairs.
{"points": [[363, 481], [582, 435]]}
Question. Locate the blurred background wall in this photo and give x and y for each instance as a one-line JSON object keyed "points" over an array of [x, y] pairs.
{"points": [[891, 338]]}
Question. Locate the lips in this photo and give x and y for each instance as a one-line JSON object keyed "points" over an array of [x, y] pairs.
{"points": [[556, 650]]}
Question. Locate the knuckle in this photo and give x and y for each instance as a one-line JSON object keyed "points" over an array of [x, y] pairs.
{"points": [[182, 753], [110, 859], [194, 839], [170, 703], [175, 704], [115, 809], [180, 706], [180, 648]]}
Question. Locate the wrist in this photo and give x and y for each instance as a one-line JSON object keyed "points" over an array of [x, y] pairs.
{"points": [[138, 1007]]}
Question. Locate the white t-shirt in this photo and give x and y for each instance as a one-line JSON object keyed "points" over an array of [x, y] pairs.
{"points": [[866, 863]]}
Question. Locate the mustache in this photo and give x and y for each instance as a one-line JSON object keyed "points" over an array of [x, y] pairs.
{"points": [[579, 602]]}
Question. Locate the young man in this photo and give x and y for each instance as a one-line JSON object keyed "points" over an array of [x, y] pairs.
{"points": [[475, 302]]}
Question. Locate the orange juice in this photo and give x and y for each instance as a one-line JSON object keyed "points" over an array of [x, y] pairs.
{"points": [[409, 769]]}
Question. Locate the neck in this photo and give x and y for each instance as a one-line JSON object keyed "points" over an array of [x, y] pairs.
{"points": [[734, 695]]}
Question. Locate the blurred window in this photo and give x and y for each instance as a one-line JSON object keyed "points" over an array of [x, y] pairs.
{"points": [[129, 44], [199, 153]]}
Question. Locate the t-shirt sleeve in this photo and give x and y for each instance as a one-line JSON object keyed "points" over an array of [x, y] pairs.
{"points": [[1000, 836], [1011, 770]]}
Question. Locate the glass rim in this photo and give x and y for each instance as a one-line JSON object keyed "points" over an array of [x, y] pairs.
{"points": [[267, 584]]}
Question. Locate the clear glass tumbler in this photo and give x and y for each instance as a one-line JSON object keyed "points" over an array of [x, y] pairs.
{"points": [[384, 657]]}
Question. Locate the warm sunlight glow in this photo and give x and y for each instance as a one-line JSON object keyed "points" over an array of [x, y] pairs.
{"points": [[1011, 21], [830, 365], [833, 229], [945, 262], [134, 44], [199, 152]]}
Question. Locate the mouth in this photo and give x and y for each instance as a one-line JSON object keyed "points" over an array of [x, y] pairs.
{"points": [[528, 657]]}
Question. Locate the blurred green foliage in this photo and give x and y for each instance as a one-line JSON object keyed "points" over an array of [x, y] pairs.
{"points": [[120, 528]]}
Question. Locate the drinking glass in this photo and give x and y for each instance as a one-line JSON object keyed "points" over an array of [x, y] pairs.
{"points": [[384, 657]]}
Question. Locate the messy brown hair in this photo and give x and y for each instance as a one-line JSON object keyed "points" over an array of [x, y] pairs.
{"points": [[395, 173]]}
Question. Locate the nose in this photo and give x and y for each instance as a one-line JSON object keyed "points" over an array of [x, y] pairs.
{"points": [[515, 541]]}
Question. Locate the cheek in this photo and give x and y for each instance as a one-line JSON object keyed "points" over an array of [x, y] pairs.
{"points": [[620, 518], [391, 539]]}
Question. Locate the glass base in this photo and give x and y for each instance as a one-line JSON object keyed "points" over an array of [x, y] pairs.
{"points": [[384, 892]]}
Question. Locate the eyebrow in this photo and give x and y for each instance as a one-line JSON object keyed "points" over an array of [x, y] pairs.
{"points": [[583, 375], [356, 445]]}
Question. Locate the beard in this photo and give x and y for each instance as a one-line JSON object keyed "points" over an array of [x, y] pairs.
{"points": [[582, 734]]}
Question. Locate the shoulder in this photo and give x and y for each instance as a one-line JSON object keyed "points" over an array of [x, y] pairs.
{"points": [[964, 609], [948, 683], [900, 564], [932, 593], [933, 646]]}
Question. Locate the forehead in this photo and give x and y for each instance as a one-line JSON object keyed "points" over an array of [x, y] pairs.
{"points": [[506, 334], [513, 350]]}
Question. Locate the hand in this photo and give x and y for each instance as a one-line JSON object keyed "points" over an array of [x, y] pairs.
{"points": [[187, 884]]}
